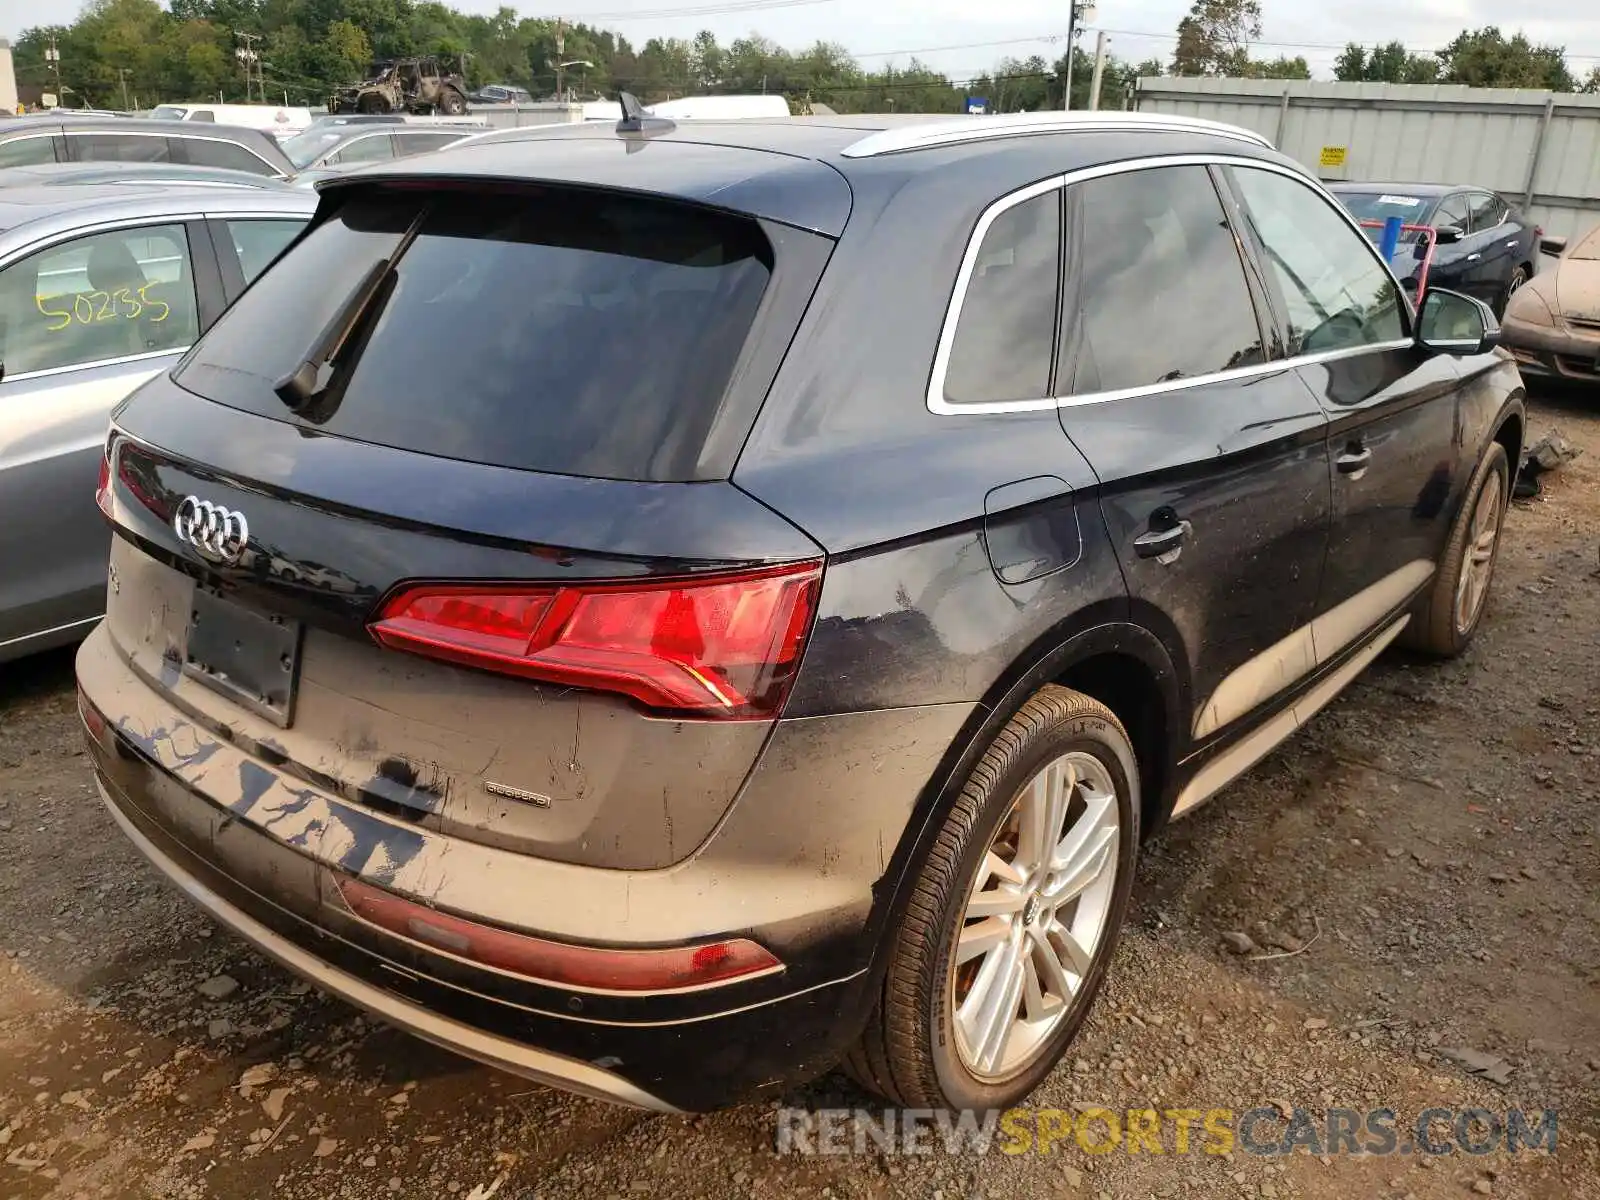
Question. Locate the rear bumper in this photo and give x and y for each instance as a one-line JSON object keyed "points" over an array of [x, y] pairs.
{"points": [[264, 851], [541, 1066], [1553, 353]]}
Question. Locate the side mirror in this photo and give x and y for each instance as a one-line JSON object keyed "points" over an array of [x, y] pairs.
{"points": [[1451, 323], [1448, 235], [1553, 245]]}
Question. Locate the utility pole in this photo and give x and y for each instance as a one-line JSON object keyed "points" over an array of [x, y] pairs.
{"points": [[1079, 12], [122, 74], [1099, 69], [248, 56], [561, 57], [53, 57]]}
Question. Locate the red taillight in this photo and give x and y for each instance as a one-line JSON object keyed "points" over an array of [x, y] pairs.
{"points": [[561, 964], [102, 491], [725, 645]]}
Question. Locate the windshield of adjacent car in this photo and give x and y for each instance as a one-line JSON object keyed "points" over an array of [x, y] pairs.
{"points": [[1380, 206], [168, 112], [305, 148]]}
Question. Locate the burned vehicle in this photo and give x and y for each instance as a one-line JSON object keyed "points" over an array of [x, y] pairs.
{"points": [[414, 85]]}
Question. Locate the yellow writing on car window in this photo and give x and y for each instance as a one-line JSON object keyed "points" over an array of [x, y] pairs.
{"points": [[92, 308]]}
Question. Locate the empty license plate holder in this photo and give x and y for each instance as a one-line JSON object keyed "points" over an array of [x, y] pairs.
{"points": [[251, 658]]}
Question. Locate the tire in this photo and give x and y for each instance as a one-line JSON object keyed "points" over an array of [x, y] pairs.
{"points": [[914, 1051], [452, 103], [1447, 617], [1519, 277]]}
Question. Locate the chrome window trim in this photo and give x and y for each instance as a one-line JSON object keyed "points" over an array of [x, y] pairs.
{"points": [[930, 134], [47, 372], [181, 134], [935, 398], [94, 227]]}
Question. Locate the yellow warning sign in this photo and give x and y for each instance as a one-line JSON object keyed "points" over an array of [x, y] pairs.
{"points": [[1334, 156]]}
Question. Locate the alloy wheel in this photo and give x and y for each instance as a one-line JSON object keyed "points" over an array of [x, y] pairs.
{"points": [[1477, 563], [1035, 917]]}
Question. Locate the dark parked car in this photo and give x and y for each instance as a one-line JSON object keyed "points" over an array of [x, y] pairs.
{"points": [[500, 93], [665, 611], [1483, 246], [32, 141]]}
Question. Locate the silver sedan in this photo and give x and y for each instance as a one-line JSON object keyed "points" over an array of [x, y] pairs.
{"points": [[102, 286]]}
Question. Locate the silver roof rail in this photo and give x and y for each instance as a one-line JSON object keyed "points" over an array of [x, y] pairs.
{"points": [[945, 132]]}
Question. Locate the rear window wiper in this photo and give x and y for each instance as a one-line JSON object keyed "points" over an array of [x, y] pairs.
{"points": [[310, 380]]}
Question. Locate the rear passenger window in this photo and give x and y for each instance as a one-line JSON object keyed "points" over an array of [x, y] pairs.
{"points": [[98, 298], [27, 151], [1336, 291], [117, 147], [1006, 332], [224, 156], [1157, 290]]}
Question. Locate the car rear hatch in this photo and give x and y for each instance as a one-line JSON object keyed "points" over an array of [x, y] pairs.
{"points": [[438, 515]]}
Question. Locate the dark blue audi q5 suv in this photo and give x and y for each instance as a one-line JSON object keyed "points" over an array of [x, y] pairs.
{"points": [[670, 609]]}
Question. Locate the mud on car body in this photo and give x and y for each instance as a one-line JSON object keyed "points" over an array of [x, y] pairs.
{"points": [[693, 671]]}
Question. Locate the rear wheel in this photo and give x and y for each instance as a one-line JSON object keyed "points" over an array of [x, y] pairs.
{"points": [[1453, 607], [1015, 916], [452, 103]]}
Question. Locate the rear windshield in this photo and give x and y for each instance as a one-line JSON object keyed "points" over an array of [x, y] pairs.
{"points": [[551, 329], [169, 112]]}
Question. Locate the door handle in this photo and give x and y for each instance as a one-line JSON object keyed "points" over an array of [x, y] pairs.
{"points": [[1511, 245], [1354, 461], [1161, 542], [1474, 257]]}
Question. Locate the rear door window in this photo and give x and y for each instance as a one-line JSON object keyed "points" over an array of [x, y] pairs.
{"points": [[1158, 290], [28, 151], [117, 147], [98, 298], [420, 143], [555, 329], [226, 156], [1005, 334]]}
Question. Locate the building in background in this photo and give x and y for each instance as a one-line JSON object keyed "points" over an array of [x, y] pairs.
{"points": [[8, 79]]}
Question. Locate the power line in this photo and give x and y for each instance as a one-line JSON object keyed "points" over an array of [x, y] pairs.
{"points": [[726, 8]]}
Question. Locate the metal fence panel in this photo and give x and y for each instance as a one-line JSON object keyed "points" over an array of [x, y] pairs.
{"points": [[1540, 149]]}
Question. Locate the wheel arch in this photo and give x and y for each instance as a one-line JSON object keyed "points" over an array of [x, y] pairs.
{"points": [[1106, 654]]}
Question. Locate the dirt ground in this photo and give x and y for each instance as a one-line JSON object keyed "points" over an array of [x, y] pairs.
{"points": [[1430, 842]]}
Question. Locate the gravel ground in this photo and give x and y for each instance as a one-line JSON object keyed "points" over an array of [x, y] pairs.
{"points": [[1428, 846]]}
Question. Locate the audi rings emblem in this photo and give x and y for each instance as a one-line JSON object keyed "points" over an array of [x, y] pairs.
{"points": [[221, 534]]}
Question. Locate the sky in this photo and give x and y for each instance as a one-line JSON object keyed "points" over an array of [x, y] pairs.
{"points": [[884, 31]]}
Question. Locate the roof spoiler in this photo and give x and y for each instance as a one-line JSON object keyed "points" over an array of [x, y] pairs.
{"points": [[635, 120]]}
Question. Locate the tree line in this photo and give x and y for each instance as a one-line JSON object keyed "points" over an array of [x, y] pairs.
{"points": [[137, 53]]}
